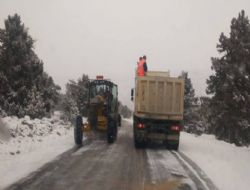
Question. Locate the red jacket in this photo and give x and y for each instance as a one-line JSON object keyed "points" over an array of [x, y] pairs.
{"points": [[140, 68]]}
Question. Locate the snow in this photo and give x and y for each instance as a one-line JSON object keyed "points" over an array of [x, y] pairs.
{"points": [[129, 120], [225, 164], [163, 165], [31, 144]]}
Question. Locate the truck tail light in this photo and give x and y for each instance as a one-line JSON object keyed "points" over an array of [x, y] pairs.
{"points": [[140, 126], [175, 128]]}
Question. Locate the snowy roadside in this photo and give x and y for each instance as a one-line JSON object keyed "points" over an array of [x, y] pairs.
{"points": [[225, 164], [31, 144]]}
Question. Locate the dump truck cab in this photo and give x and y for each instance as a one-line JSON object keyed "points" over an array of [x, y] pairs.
{"points": [[158, 109], [102, 106]]}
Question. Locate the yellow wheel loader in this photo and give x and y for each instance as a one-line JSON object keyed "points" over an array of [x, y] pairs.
{"points": [[103, 116]]}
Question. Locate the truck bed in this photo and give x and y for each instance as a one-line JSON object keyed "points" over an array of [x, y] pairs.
{"points": [[159, 96]]}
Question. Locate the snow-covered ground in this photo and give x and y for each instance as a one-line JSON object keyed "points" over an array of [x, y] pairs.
{"points": [[225, 164], [32, 143], [28, 144]]}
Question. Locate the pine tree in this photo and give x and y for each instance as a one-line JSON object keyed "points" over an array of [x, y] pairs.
{"points": [[204, 113], [83, 94], [230, 84], [76, 97], [124, 110], [190, 101], [21, 72], [49, 91], [35, 108], [18, 62]]}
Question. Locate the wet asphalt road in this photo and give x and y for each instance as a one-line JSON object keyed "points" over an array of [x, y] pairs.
{"points": [[119, 166]]}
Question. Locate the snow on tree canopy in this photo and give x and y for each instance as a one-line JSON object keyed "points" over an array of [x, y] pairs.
{"points": [[25, 88], [230, 84]]}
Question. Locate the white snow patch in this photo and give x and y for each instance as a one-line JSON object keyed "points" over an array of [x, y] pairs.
{"points": [[80, 151], [130, 120], [32, 144], [225, 164]]}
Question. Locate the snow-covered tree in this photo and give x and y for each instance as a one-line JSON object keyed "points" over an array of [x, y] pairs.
{"points": [[204, 113], [190, 102], [21, 72], [230, 84], [69, 107], [35, 107], [124, 111], [49, 91], [76, 96]]}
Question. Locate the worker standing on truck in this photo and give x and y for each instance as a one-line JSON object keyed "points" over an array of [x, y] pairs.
{"points": [[145, 63], [142, 66]]}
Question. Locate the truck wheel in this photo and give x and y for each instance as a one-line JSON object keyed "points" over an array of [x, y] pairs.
{"points": [[111, 134], [138, 144], [174, 146], [78, 130]]}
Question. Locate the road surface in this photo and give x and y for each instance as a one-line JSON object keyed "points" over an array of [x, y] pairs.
{"points": [[119, 166]]}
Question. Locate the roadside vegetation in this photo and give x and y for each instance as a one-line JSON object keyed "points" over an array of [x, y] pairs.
{"points": [[26, 89], [226, 111]]}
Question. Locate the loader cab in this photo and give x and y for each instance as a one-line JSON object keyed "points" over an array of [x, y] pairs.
{"points": [[103, 91]]}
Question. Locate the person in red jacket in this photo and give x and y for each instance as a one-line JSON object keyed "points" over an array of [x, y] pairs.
{"points": [[140, 67]]}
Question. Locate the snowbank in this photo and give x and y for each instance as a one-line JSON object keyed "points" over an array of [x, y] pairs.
{"points": [[227, 165], [32, 143]]}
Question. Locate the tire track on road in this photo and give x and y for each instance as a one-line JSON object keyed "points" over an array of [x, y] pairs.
{"points": [[202, 181]]}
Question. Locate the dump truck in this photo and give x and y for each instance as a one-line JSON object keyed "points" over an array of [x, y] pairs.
{"points": [[158, 109], [102, 106]]}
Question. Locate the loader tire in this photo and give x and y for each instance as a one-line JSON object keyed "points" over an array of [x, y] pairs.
{"points": [[78, 130], [119, 120], [111, 132]]}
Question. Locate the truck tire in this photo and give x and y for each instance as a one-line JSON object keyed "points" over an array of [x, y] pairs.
{"points": [[174, 146], [111, 132], [138, 144], [78, 130]]}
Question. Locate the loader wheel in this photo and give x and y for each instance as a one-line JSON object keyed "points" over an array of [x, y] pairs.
{"points": [[78, 130], [119, 120], [111, 132]]}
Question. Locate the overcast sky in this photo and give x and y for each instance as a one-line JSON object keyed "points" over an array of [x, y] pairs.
{"points": [[107, 36]]}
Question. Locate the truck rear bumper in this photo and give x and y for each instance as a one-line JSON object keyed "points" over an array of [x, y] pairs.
{"points": [[143, 135]]}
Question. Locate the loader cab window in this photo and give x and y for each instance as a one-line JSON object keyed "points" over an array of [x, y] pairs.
{"points": [[114, 92], [99, 89], [114, 98]]}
